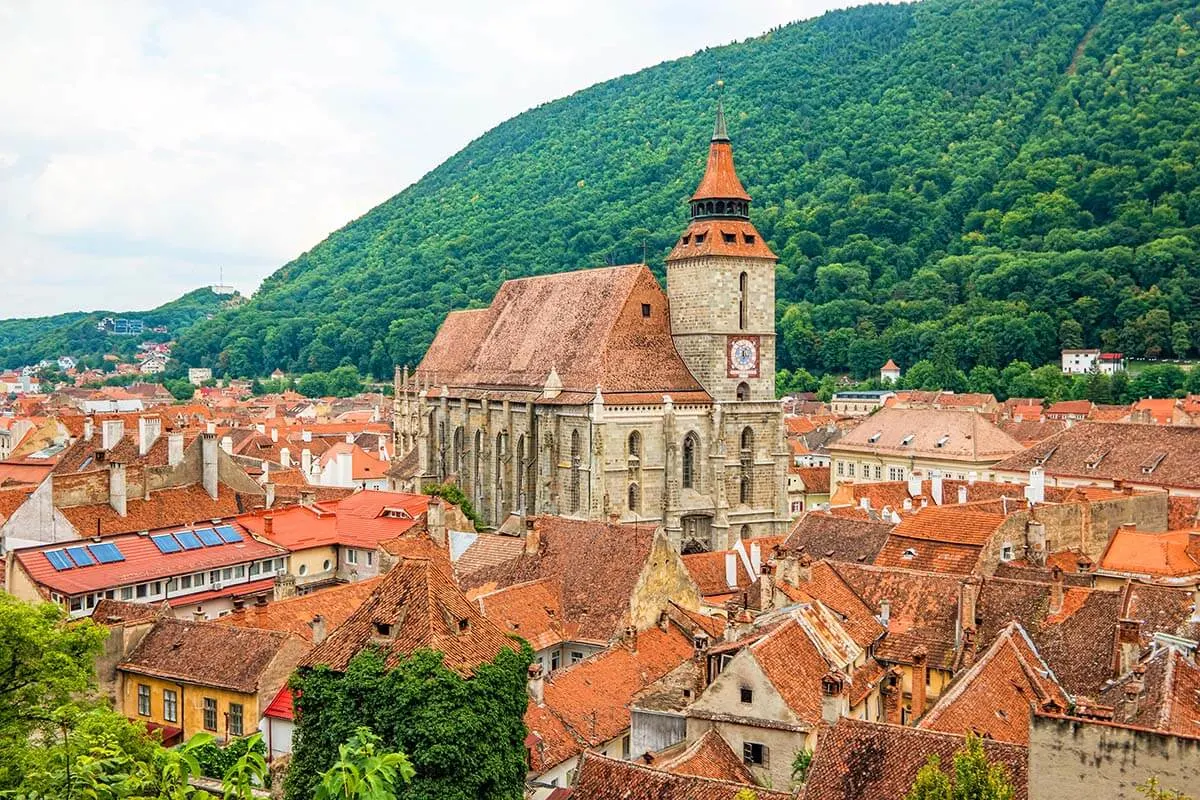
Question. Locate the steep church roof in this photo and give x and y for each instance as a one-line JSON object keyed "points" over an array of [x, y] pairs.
{"points": [[606, 327]]}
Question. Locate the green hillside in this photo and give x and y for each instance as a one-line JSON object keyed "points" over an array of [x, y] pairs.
{"points": [[978, 180], [27, 341]]}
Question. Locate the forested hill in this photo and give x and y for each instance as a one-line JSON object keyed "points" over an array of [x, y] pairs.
{"points": [[979, 180], [28, 341]]}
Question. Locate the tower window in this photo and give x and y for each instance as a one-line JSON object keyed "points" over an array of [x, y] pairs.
{"points": [[635, 444], [646, 310], [690, 445], [743, 285], [749, 237], [746, 461], [635, 498], [730, 238], [576, 456], [700, 238], [743, 391]]}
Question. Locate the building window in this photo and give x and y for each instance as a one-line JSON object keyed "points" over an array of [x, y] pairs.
{"points": [[841, 469], [170, 705], [635, 445], [746, 458], [743, 391], [370, 557], [754, 754], [743, 299], [555, 661], [351, 556], [850, 469], [576, 656], [210, 713], [235, 719], [635, 498], [326, 565], [239, 571], [645, 310], [457, 460], [878, 472], [747, 694], [303, 569], [1006, 552], [691, 443], [143, 699], [126, 592], [576, 459]]}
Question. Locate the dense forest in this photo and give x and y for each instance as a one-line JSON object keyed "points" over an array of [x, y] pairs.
{"points": [[988, 181], [28, 341]]}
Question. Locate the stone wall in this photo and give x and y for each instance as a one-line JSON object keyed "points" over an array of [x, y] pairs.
{"points": [[1073, 759]]}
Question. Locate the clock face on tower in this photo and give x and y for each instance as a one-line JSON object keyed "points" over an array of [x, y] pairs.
{"points": [[742, 356]]}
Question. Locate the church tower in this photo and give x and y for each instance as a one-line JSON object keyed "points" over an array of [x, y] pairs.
{"points": [[721, 285]]}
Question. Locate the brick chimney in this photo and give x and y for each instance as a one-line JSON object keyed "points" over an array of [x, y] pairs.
{"points": [[1129, 644], [968, 603], [1056, 589], [116, 487], [834, 703], [435, 521], [532, 538], [318, 629], [920, 671], [268, 525], [537, 684]]}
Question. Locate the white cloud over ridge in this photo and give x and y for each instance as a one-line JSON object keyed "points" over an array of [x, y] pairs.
{"points": [[145, 146]]}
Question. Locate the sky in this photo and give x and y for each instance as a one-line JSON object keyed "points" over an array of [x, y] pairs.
{"points": [[147, 148]]}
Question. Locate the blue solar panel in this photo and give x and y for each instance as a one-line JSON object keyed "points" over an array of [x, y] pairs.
{"points": [[209, 537], [188, 540], [58, 559], [166, 543], [229, 534], [106, 553], [80, 556]]}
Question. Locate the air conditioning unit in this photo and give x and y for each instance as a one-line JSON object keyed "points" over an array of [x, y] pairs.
{"points": [[216, 585]]}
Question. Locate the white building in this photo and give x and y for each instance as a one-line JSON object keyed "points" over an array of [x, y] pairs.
{"points": [[1081, 362], [198, 375]]}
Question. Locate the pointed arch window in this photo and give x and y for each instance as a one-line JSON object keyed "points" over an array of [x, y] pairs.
{"points": [[743, 299], [477, 463], [456, 463], [691, 445], [635, 445], [746, 461], [635, 498], [743, 391], [576, 458]]}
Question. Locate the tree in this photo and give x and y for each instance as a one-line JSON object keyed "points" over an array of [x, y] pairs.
{"points": [[313, 384], [363, 772], [801, 764], [975, 778], [45, 664], [1155, 791], [1070, 334], [454, 495], [180, 388]]}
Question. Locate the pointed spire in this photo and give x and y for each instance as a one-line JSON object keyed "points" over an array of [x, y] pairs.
{"points": [[719, 132]]}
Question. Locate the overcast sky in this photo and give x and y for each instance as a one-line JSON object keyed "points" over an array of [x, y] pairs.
{"points": [[145, 146]]}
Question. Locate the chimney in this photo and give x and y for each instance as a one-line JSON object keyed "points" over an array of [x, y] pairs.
{"points": [[968, 603], [1056, 589], [284, 587], [1134, 688], [936, 489], [971, 477], [227, 444], [756, 557], [731, 570], [962, 495], [199, 616], [208, 460], [537, 684], [1129, 644], [306, 436], [269, 491], [307, 497], [382, 448], [285, 457], [1035, 542], [318, 629], [149, 429], [116, 487], [345, 469], [306, 462], [274, 434], [885, 612], [260, 427], [260, 601], [914, 485], [210, 427], [630, 638], [699, 644], [111, 432], [920, 672], [88, 429], [435, 521], [803, 568], [1035, 492], [268, 525], [833, 698], [174, 449], [907, 504], [533, 539]]}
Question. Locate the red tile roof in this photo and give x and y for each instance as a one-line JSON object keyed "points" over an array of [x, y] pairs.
{"points": [[295, 614], [181, 505], [530, 610], [603, 778], [143, 562], [363, 519], [415, 606], [709, 757], [1167, 554]]}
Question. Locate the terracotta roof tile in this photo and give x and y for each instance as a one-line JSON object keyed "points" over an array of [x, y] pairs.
{"points": [[603, 778], [531, 610], [415, 606], [181, 505], [858, 760], [488, 550], [966, 435], [709, 757], [1166, 554], [820, 535], [816, 479], [295, 614], [1163, 693]]}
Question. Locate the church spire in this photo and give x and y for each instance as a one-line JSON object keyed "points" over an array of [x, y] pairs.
{"points": [[720, 193]]}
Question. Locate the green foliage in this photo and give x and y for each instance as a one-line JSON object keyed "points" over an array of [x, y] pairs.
{"points": [[44, 665], [27, 341], [464, 738], [1005, 177], [363, 773], [800, 765], [975, 778], [1155, 791], [454, 495], [216, 760], [180, 388]]}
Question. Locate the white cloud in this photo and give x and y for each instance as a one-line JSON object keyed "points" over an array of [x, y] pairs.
{"points": [[145, 145]]}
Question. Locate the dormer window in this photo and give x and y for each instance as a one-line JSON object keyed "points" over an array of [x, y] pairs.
{"points": [[464, 625], [909, 554], [645, 311], [383, 629], [729, 238], [699, 238], [686, 238], [874, 437], [749, 238], [1094, 459], [1153, 462], [907, 440], [942, 441]]}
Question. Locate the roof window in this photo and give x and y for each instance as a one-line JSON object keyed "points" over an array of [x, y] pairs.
{"points": [[729, 238], [874, 437], [749, 238], [909, 554], [686, 237], [942, 441], [700, 238], [1153, 463], [1094, 459], [907, 440]]}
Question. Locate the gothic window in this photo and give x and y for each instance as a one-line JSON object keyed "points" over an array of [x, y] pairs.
{"points": [[576, 457], [746, 459], [743, 391], [522, 467], [500, 476], [743, 299], [691, 444], [457, 463], [477, 460], [635, 498], [720, 206], [635, 446]]}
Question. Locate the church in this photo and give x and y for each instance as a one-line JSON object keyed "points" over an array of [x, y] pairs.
{"points": [[594, 394]]}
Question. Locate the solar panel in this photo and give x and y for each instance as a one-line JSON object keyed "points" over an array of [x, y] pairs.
{"points": [[106, 553], [209, 537], [166, 543], [80, 556], [188, 540], [229, 534], [58, 559]]}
